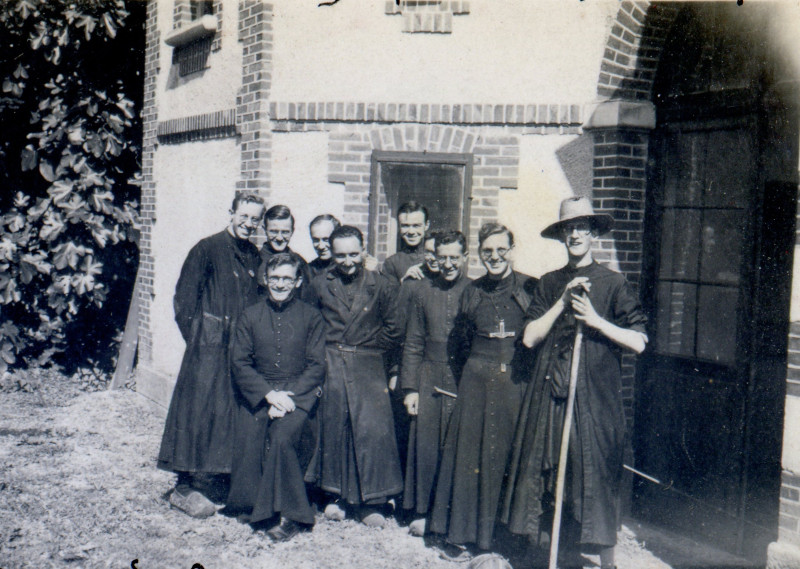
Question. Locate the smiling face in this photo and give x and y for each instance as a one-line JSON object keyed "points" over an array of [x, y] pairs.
{"points": [[320, 238], [430, 255], [494, 253], [282, 282], [412, 227], [245, 219], [578, 237], [348, 255], [451, 259], [279, 233]]}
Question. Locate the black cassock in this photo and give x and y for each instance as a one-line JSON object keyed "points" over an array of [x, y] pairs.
{"points": [[277, 347], [433, 307], [217, 281], [477, 446], [395, 266], [597, 438], [358, 457]]}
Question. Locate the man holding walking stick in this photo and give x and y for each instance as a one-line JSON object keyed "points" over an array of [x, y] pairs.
{"points": [[582, 295]]}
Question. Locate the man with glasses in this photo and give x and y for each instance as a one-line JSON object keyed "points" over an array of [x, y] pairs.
{"points": [[217, 281], [490, 388], [278, 361], [427, 378], [358, 462], [607, 306], [279, 228]]}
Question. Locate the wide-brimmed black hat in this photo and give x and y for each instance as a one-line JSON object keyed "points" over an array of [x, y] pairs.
{"points": [[573, 209]]}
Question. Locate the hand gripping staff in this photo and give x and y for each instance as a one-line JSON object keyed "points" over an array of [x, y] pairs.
{"points": [[562, 455]]}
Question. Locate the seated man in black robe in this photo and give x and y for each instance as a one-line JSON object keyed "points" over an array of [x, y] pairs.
{"points": [[278, 361]]}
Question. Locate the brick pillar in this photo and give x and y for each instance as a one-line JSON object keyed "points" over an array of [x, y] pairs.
{"points": [[252, 104], [148, 208], [621, 135]]}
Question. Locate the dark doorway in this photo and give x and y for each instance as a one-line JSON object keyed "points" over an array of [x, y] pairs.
{"points": [[718, 258], [442, 182]]}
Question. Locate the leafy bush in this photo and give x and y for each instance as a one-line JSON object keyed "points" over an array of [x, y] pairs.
{"points": [[70, 96]]}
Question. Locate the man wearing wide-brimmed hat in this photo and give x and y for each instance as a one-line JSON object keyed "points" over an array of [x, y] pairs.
{"points": [[582, 291]]}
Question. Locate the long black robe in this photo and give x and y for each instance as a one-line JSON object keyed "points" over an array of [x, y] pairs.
{"points": [[275, 347], [217, 281], [426, 364], [477, 446], [358, 457], [597, 439]]}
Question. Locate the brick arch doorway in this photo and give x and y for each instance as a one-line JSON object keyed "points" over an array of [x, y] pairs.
{"points": [[718, 235]]}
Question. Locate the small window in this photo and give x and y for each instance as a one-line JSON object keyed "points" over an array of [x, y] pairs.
{"points": [[201, 8], [196, 25]]}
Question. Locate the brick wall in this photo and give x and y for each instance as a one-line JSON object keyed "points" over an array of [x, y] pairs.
{"points": [[633, 49], [789, 517], [148, 209], [620, 159], [490, 133], [255, 35]]}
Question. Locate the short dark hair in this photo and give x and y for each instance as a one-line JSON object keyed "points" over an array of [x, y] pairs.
{"points": [[246, 197], [278, 212], [435, 235], [492, 228], [286, 258], [411, 207], [324, 217], [448, 237], [345, 231]]}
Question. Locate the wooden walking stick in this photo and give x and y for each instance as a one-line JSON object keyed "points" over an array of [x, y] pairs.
{"points": [[562, 455]]}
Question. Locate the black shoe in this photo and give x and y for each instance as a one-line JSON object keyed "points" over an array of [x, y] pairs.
{"points": [[286, 530]]}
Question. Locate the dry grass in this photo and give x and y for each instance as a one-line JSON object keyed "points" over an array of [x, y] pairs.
{"points": [[79, 489]]}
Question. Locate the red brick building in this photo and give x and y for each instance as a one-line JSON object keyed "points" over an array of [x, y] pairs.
{"points": [[680, 120]]}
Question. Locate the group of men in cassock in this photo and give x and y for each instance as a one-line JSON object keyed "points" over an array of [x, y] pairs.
{"points": [[412, 387]]}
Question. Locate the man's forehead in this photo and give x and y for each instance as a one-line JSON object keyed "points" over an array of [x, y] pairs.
{"points": [[346, 244], [249, 208], [413, 217], [282, 270], [322, 228], [279, 223]]}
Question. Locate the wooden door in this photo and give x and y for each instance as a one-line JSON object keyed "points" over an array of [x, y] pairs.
{"points": [[710, 389]]}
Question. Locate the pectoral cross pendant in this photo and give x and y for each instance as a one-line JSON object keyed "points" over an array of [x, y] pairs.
{"points": [[501, 331]]}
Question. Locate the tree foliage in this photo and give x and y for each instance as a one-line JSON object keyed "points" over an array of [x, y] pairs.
{"points": [[70, 96]]}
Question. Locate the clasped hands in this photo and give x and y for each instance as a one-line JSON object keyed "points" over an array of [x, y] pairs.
{"points": [[280, 403], [574, 295]]}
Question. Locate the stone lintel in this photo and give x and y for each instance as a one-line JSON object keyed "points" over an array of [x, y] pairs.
{"points": [[627, 115]]}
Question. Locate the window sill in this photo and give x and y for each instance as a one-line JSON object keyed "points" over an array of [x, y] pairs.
{"points": [[202, 28]]}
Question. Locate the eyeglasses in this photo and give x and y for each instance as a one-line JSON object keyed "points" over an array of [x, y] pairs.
{"points": [[281, 280], [487, 253], [581, 228]]}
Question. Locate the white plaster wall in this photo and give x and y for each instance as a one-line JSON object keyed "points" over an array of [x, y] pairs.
{"points": [[534, 205], [211, 90], [503, 51], [300, 181], [196, 184]]}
